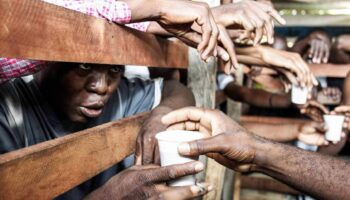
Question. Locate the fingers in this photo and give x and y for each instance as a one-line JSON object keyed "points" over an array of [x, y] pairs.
{"points": [[138, 151], [191, 126], [274, 14], [211, 48], [171, 172], [229, 46], [210, 32], [320, 127], [343, 109], [326, 54], [193, 114], [185, 192], [203, 146], [148, 150], [313, 139], [319, 106]]}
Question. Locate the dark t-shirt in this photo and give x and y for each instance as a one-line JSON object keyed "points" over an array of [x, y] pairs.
{"points": [[23, 103]]}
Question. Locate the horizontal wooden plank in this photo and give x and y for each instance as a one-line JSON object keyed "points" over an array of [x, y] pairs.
{"points": [[271, 120], [36, 30], [45, 170], [264, 184]]}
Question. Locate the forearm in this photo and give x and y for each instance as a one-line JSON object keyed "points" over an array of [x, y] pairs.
{"points": [[257, 97], [315, 174], [174, 96], [278, 133]]}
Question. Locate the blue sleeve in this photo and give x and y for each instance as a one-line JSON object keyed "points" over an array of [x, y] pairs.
{"points": [[137, 95]]}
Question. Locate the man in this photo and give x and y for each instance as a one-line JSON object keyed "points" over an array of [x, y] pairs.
{"points": [[66, 98], [320, 176]]}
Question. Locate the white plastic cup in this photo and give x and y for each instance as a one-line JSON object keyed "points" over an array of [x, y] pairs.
{"points": [[335, 125], [168, 142], [299, 94]]}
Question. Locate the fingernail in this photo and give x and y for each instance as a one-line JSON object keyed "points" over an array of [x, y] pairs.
{"points": [[201, 187], [199, 167], [210, 188], [225, 57], [184, 148], [195, 189]]}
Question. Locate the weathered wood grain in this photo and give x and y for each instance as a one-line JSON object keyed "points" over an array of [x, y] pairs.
{"points": [[33, 29], [45, 170]]}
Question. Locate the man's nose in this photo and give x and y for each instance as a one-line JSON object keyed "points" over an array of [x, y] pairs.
{"points": [[98, 84]]}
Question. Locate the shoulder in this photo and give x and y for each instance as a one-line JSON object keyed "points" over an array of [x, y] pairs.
{"points": [[140, 84]]}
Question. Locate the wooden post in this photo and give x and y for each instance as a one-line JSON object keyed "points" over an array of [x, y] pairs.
{"points": [[202, 81], [234, 111], [48, 169]]}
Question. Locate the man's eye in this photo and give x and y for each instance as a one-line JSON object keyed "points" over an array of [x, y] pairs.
{"points": [[115, 69], [84, 67]]}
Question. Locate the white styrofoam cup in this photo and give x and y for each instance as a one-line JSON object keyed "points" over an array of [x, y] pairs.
{"points": [[299, 94], [168, 142], [335, 125]]}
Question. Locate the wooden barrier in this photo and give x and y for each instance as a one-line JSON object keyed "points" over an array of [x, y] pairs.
{"points": [[271, 120], [45, 170], [36, 30]]}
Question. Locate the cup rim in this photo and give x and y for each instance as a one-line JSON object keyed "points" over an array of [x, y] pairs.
{"points": [[328, 115], [161, 136]]}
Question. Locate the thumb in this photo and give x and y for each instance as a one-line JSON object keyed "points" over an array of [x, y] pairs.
{"points": [[203, 146]]}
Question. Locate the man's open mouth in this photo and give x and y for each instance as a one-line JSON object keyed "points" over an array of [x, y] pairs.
{"points": [[91, 112]]}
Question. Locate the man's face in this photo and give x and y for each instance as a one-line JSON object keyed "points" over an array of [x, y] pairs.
{"points": [[84, 89]]}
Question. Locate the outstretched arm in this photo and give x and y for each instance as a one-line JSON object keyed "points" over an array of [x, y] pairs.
{"points": [[315, 174], [257, 97]]}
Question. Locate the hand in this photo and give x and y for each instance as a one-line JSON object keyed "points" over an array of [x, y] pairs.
{"points": [[332, 92], [181, 18], [320, 46], [292, 62], [343, 110], [255, 71], [147, 182], [253, 16], [314, 110], [147, 151], [231, 144], [313, 134]]}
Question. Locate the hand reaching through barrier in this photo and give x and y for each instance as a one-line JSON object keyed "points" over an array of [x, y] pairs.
{"points": [[314, 110], [148, 182], [291, 62], [319, 47], [225, 132], [255, 17], [180, 18], [236, 148], [319, 51], [313, 133]]}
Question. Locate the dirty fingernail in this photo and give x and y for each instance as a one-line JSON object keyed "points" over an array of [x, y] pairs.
{"points": [[184, 148]]}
